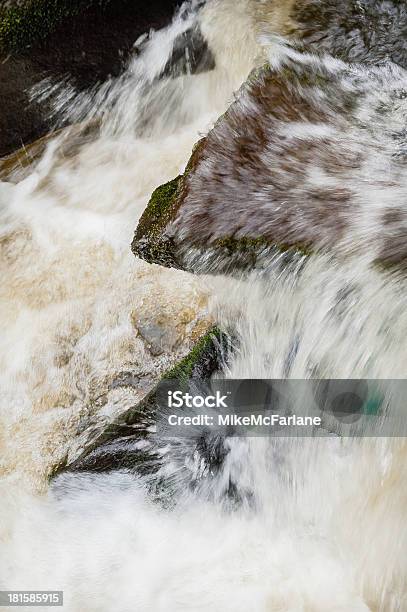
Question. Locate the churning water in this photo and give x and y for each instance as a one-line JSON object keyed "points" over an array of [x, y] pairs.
{"points": [[323, 528]]}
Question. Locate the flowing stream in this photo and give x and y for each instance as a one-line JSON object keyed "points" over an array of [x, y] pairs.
{"points": [[321, 524]]}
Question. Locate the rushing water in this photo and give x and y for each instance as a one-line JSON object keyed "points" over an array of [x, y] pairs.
{"points": [[323, 528]]}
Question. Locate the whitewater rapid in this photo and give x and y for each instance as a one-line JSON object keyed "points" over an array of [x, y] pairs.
{"points": [[77, 309], [321, 525]]}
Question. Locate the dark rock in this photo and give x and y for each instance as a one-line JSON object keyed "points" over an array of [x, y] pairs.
{"points": [[151, 241], [124, 444], [85, 44], [190, 55]]}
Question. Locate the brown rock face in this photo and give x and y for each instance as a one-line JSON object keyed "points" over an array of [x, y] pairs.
{"points": [[311, 156]]}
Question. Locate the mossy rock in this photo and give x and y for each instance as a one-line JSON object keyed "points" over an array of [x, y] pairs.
{"points": [[203, 360], [114, 448], [151, 242], [282, 174], [156, 242], [23, 22]]}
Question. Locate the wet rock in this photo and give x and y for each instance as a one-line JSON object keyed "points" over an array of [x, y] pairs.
{"points": [[17, 166], [190, 55], [83, 43], [291, 168], [354, 30], [25, 22], [124, 443], [157, 338]]}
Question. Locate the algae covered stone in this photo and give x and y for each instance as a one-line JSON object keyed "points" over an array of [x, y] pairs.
{"points": [[122, 444], [293, 167], [151, 243], [24, 21]]}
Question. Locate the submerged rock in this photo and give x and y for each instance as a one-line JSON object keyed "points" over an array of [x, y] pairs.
{"points": [[17, 166], [310, 157], [124, 444], [190, 54]]}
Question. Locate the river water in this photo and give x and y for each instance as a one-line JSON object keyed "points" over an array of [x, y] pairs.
{"points": [[324, 525]]}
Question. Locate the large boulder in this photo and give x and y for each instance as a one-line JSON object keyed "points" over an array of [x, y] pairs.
{"points": [[310, 157]]}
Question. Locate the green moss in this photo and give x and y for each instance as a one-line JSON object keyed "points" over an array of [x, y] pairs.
{"points": [[192, 364], [201, 362], [162, 199], [154, 244], [240, 244], [246, 245], [150, 241], [23, 24]]}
